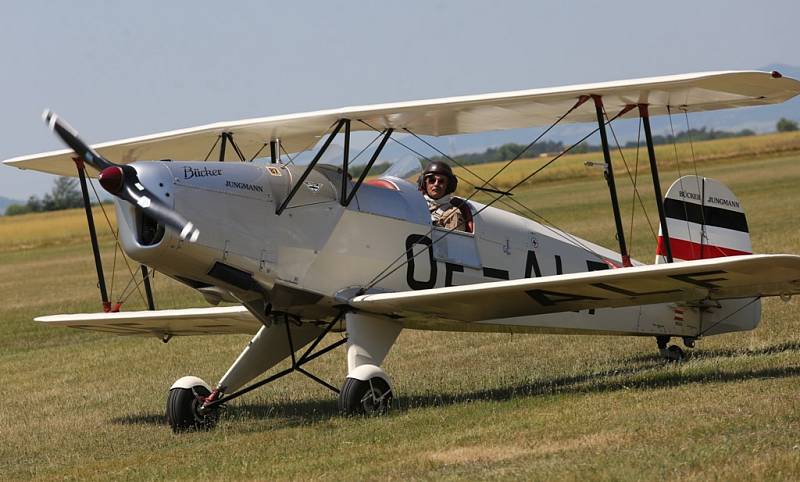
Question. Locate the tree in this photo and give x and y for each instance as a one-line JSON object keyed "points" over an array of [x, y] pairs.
{"points": [[64, 195], [15, 209], [34, 205], [786, 125]]}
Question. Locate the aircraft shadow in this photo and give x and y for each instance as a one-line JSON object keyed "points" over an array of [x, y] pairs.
{"points": [[700, 353], [625, 377]]}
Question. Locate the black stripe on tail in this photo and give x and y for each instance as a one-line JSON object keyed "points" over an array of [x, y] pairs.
{"points": [[708, 215]]}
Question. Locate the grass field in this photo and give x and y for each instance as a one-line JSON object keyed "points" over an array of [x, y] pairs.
{"points": [[82, 405]]}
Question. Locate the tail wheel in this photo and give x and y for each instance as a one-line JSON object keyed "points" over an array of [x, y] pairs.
{"points": [[673, 353], [365, 397], [183, 409]]}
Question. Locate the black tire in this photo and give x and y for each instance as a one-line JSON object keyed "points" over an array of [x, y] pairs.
{"points": [[372, 397], [676, 353], [182, 410]]}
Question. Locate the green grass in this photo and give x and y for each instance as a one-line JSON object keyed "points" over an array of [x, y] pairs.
{"points": [[82, 405]]}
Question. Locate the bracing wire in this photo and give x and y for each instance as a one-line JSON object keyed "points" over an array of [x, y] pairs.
{"points": [[310, 144], [139, 281], [259, 151], [291, 159], [115, 234], [519, 154], [694, 165], [680, 175], [379, 277], [706, 330], [366, 147], [636, 192], [554, 229], [636, 178], [113, 274], [388, 271]]}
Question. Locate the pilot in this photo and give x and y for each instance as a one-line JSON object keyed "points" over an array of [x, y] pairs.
{"points": [[437, 184]]}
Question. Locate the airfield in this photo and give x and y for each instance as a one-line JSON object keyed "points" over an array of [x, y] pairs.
{"points": [[84, 405]]}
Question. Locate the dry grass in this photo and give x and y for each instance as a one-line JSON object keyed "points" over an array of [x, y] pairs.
{"points": [[38, 230], [571, 166], [82, 405]]}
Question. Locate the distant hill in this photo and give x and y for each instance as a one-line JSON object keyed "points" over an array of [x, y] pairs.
{"points": [[5, 202]]}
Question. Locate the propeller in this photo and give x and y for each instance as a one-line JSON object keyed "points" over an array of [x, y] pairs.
{"points": [[121, 180]]}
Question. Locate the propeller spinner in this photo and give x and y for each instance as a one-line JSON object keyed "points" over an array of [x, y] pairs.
{"points": [[121, 180]]}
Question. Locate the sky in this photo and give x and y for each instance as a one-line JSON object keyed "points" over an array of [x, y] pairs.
{"points": [[118, 69]]}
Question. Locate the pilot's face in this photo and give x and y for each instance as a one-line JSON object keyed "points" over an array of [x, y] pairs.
{"points": [[436, 185]]}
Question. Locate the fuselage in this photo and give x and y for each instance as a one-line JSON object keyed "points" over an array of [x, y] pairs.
{"points": [[316, 253]]}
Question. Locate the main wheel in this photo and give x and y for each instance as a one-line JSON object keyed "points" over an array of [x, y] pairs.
{"points": [[370, 397], [183, 412]]}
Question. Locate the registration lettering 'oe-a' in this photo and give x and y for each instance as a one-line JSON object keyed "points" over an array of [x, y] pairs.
{"points": [[703, 279]]}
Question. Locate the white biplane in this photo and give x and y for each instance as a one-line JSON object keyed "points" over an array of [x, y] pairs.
{"points": [[306, 250]]}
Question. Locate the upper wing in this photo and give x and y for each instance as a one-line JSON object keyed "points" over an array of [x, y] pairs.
{"points": [[192, 321], [716, 279], [453, 115]]}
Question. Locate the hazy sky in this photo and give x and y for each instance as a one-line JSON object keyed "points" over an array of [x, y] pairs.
{"points": [[120, 69]]}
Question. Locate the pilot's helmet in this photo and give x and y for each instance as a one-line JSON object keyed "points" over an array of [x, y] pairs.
{"points": [[439, 167]]}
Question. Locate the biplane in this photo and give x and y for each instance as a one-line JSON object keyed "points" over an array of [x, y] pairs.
{"points": [[305, 250]]}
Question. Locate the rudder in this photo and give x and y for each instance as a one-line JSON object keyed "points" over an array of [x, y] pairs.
{"points": [[706, 220]]}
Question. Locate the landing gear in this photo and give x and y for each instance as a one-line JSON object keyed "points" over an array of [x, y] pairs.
{"points": [[671, 352], [360, 397], [367, 389], [192, 405], [183, 409]]}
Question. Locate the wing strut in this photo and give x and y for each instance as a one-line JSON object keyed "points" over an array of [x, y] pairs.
{"points": [[147, 289], [651, 152], [311, 165], [274, 148], [386, 135], [98, 263], [228, 137], [609, 174]]}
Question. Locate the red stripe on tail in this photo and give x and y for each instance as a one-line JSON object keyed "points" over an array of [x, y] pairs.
{"points": [[687, 250]]}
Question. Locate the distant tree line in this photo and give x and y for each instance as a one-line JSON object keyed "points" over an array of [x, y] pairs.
{"points": [[64, 195], [510, 151], [377, 169], [504, 152], [695, 135]]}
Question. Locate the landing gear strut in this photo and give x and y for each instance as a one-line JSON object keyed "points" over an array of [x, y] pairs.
{"points": [[367, 390]]}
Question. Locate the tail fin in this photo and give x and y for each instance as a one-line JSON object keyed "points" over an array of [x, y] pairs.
{"points": [[704, 220]]}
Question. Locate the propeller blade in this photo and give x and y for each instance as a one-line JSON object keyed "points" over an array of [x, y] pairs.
{"points": [[122, 180], [70, 137]]}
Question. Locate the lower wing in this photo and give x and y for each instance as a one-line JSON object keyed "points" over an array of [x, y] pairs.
{"points": [[192, 321], [690, 281]]}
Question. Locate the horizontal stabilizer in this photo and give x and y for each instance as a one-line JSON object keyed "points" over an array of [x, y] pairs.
{"points": [[690, 281], [191, 321]]}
